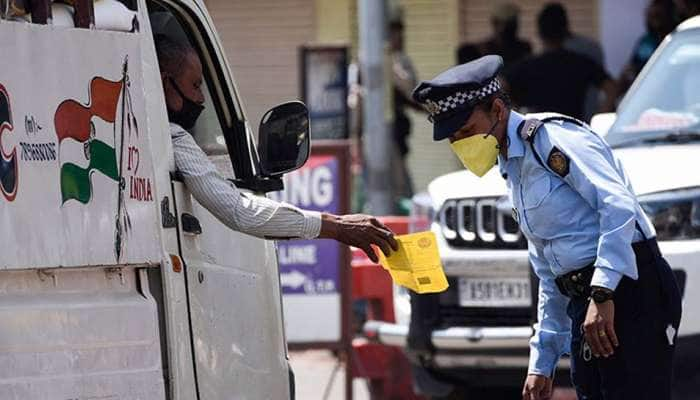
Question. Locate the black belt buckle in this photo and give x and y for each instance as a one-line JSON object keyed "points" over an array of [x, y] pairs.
{"points": [[576, 283]]}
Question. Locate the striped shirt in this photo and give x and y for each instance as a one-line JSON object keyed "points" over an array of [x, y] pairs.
{"points": [[254, 215]]}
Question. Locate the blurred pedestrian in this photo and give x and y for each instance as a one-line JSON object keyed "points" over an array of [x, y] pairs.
{"points": [[581, 45], [687, 8], [400, 78], [606, 295], [660, 21], [504, 40], [404, 79], [558, 79]]}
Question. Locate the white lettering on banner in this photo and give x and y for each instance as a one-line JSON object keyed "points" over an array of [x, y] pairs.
{"points": [[299, 187], [319, 286], [292, 279], [307, 187], [305, 255], [322, 187]]}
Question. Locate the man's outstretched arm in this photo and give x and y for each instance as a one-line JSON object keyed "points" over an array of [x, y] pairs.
{"points": [[266, 218]]}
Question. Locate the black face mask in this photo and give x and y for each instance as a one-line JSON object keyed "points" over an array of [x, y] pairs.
{"points": [[188, 114]]}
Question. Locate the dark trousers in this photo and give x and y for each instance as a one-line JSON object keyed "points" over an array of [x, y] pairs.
{"points": [[641, 367]]}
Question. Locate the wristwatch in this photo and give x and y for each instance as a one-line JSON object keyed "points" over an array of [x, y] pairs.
{"points": [[601, 294]]}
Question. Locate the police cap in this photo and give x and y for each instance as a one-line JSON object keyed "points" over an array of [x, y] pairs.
{"points": [[451, 96]]}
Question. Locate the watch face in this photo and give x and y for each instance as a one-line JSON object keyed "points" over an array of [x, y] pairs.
{"points": [[601, 296]]}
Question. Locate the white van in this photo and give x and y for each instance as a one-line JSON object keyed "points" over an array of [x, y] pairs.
{"points": [[114, 282]]}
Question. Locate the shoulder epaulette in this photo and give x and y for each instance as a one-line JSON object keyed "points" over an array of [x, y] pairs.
{"points": [[528, 129]]}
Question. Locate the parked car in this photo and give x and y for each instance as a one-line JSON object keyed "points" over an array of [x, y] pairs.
{"points": [[478, 330]]}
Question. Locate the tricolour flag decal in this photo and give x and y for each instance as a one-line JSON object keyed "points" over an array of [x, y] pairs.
{"points": [[75, 181], [73, 121]]}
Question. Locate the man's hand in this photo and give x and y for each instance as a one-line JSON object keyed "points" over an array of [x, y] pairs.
{"points": [[537, 387], [361, 231], [599, 328]]}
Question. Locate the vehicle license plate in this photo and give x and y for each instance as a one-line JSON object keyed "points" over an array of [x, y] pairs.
{"points": [[494, 292]]}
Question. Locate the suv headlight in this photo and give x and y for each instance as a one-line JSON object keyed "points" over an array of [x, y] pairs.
{"points": [[675, 213], [422, 213]]}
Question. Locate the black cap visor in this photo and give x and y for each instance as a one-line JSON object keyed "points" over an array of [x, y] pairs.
{"points": [[449, 124]]}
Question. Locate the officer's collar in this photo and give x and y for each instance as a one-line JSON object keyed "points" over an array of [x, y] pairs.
{"points": [[516, 148]]}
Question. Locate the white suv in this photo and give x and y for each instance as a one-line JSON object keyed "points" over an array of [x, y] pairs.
{"points": [[480, 327]]}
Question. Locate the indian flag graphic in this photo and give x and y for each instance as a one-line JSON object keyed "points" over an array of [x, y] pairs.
{"points": [[75, 121]]}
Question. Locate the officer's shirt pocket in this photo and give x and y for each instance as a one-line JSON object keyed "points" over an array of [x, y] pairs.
{"points": [[540, 204]]}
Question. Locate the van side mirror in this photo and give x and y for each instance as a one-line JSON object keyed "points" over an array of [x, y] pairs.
{"points": [[284, 139]]}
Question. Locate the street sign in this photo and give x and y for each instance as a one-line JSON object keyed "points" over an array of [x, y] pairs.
{"points": [[314, 273], [324, 89]]}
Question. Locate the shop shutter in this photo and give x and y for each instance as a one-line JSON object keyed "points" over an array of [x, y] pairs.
{"points": [[261, 40]]}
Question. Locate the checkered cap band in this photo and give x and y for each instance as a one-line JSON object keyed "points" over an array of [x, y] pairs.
{"points": [[457, 99]]}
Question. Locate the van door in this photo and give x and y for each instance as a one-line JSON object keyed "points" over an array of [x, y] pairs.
{"points": [[232, 279]]}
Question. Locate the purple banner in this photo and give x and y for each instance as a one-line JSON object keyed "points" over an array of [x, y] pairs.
{"points": [[311, 266]]}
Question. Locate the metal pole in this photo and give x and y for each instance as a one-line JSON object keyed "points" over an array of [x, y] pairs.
{"points": [[376, 138]]}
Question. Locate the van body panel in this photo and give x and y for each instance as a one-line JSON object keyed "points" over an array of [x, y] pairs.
{"points": [[235, 311], [79, 334], [84, 184]]}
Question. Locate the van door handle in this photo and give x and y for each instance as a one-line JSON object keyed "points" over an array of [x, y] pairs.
{"points": [[190, 224]]}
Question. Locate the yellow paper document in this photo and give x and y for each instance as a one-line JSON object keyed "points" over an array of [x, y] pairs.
{"points": [[416, 265]]}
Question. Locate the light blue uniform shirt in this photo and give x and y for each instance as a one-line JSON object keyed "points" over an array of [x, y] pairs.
{"points": [[585, 217]]}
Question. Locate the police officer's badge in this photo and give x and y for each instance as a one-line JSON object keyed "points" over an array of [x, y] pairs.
{"points": [[558, 162], [432, 107]]}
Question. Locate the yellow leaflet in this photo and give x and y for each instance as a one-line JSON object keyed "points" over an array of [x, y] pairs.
{"points": [[416, 265]]}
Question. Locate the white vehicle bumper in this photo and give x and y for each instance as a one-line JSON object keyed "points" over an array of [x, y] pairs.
{"points": [[458, 347]]}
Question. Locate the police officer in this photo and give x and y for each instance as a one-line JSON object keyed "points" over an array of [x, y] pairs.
{"points": [[606, 294]]}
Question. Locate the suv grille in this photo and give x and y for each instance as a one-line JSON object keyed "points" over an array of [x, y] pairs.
{"points": [[478, 223]]}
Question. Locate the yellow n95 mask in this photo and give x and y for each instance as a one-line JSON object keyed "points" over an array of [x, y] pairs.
{"points": [[478, 153]]}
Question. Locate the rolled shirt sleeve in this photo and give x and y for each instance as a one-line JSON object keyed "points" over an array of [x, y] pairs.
{"points": [[593, 173], [552, 335], [254, 215]]}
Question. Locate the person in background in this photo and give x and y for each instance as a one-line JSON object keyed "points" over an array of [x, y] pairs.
{"points": [[584, 46], [403, 81], [660, 21], [558, 79], [504, 40]]}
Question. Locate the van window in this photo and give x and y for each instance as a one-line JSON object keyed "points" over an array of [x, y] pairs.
{"points": [[207, 132], [221, 128]]}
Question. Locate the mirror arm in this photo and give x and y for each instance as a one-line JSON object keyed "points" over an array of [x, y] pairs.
{"points": [[258, 184]]}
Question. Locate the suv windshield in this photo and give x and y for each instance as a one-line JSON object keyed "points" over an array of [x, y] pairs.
{"points": [[664, 104]]}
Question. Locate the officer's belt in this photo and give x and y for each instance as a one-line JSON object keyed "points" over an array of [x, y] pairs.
{"points": [[576, 284]]}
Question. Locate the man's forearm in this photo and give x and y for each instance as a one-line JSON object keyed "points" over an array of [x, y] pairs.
{"points": [[329, 226]]}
